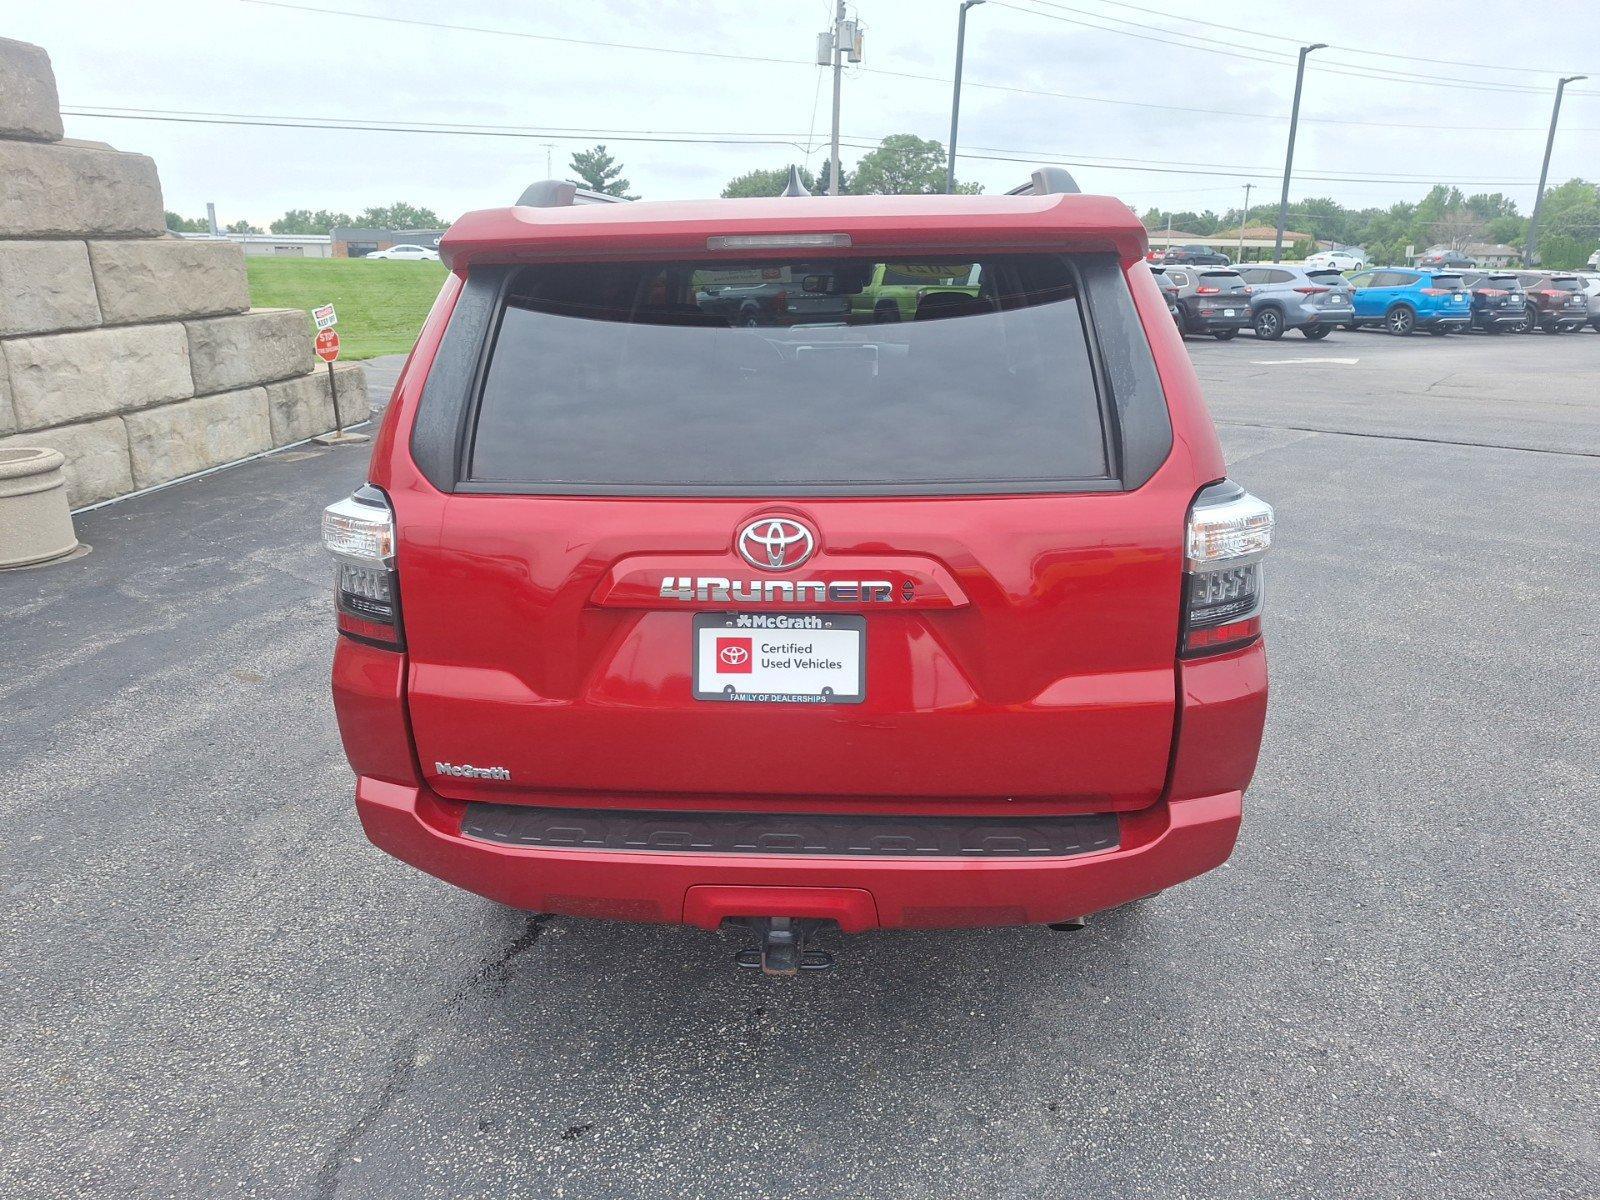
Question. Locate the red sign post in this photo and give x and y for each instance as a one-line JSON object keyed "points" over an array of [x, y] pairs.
{"points": [[326, 346]]}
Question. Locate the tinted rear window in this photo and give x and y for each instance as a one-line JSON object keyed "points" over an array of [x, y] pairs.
{"points": [[1225, 280], [1565, 283], [630, 376], [1327, 276], [1447, 281]]}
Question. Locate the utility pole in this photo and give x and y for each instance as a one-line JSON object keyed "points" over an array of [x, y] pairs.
{"points": [[1532, 244], [955, 98], [1244, 220], [843, 39], [1288, 158]]}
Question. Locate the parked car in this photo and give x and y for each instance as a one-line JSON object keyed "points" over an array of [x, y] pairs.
{"points": [[1285, 296], [1212, 301], [1196, 256], [405, 253], [647, 616], [1405, 299], [1348, 258], [1446, 260], [896, 289], [1591, 296], [743, 297], [1498, 305], [1555, 301], [1169, 293]]}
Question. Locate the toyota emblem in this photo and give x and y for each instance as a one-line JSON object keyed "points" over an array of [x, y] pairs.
{"points": [[776, 543], [734, 655]]}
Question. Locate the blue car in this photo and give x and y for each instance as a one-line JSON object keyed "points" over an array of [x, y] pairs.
{"points": [[1404, 299]]}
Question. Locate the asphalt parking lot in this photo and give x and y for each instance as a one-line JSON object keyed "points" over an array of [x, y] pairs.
{"points": [[215, 987]]}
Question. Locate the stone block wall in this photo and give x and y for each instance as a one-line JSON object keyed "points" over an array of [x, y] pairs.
{"points": [[134, 353]]}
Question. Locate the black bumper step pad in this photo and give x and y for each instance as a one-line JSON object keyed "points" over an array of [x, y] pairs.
{"points": [[791, 833]]}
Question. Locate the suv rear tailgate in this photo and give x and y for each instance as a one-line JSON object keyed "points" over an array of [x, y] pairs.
{"points": [[1036, 663]]}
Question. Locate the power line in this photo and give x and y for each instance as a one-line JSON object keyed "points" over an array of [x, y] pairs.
{"points": [[1208, 112], [1197, 42], [733, 138], [1295, 41], [496, 31], [1211, 112], [485, 131], [518, 33]]}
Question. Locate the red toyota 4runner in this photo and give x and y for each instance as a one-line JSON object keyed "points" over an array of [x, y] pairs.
{"points": [[653, 611]]}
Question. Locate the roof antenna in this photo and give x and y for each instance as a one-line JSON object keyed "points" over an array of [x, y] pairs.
{"points": [[794, 187]]}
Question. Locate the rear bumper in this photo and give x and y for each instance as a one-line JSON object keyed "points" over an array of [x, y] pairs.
{"points": [[1213, 324], [1159, 846]]}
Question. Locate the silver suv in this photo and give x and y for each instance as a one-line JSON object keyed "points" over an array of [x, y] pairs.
{"points": [[1285, 296]]}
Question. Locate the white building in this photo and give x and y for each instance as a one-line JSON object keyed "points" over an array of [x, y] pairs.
{"points": [[273, 245]]}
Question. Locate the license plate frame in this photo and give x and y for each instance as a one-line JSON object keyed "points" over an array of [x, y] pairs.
{"points": [[828, 633]]}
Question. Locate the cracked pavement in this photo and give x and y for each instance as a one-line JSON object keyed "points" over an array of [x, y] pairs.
{"points": [[215, 987]]}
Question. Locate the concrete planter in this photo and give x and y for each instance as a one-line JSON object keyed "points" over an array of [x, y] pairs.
{"points": [[35, 523]]}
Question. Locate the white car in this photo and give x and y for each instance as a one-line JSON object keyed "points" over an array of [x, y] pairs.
{"points": [[406, 253], [1336, 260]]}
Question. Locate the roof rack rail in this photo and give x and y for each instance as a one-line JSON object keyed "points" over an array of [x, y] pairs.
{"points": [[559, 193], [1048, 181]]}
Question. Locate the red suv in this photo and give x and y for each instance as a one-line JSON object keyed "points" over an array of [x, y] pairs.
{"points": [[651, 615]]}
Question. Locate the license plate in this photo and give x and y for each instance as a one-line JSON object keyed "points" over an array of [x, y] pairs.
{"points": [[1227, 312], [780, 658]]}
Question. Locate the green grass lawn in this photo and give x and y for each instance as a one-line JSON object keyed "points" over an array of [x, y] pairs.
{"points": [[381, 305]]}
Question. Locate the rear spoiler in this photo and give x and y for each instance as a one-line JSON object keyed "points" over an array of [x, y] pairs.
{"points": [[1048, 181], [583, 229], [559, 193]]}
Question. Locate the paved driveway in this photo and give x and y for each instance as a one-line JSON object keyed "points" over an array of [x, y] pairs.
{"points": [[215, 987]]}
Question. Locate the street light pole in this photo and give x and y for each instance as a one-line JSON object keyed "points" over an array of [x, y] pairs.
{"points": [[955, 98], [1532, 243], [1288, 158], [1244, 220]]}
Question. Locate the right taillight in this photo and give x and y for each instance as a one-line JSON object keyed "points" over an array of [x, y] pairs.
{"points": [[1229, 533], [359, 532]]}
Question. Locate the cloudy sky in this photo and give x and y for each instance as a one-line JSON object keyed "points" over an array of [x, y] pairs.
{"points": [[1199, 109]]}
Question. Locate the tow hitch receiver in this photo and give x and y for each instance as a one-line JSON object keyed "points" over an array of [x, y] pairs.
{"points": [[782, 946]]}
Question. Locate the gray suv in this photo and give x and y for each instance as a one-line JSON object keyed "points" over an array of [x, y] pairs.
{"points": [[1292, 297]]}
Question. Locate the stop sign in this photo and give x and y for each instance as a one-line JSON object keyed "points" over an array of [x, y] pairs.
{"points": [[327, 345]]}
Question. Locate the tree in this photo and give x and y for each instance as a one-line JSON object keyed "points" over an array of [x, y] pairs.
{"points": [[1458, 228], [303, 220], [1569, 225], [765, 182], [243, 227], [827, 173], [905, 165], [400, 216], [602, 173], [186, 224]]}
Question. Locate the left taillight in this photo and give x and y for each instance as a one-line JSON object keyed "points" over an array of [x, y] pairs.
{"points": [[359, 532], [1229, 533]]}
